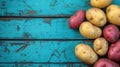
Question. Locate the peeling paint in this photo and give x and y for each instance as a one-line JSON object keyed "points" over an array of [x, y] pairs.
{"points": [[18, 28], [31, 12], [6, 49], [22, 47], [25, 36], [48, 20]]}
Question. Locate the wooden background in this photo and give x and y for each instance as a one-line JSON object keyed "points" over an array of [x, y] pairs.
{"points": [[35, 33]]}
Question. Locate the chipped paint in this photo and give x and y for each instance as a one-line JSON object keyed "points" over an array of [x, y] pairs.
{"points": [[48, 20], [22, 47], [18, 28], [31, 12], [25, 36]]}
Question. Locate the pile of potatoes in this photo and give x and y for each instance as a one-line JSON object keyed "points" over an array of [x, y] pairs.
{"points": [[103, 28]]}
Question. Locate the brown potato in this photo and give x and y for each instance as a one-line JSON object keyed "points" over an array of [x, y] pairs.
{"points": [[100, 3], [96, 16], [113, 14], [100, 46], [86, 54], [90, 31]]}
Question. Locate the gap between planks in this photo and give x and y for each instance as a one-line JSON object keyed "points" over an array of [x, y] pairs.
{"points": [[62, 16], [41, 63], [46, 39]]}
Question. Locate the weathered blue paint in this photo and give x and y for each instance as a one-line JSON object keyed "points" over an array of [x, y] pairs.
{"points": [[51, 49], [42, 7], [39, 51], [38, 28]]}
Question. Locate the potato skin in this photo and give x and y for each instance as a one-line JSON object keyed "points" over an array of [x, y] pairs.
{"points": [[113, 14], [85, 53], [106, 63], [96, 16], [90, 31], [77, 19], [111, 33], [100, 3], [114, 51], [100, 46]]}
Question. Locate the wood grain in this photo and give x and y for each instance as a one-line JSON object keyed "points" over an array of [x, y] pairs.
{"points": [[37, 28], [39, 51]]}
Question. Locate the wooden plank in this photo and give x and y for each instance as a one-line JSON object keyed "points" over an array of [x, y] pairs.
{"points": [[40, 51], [37, 28], [44, 65], [42, 7]]}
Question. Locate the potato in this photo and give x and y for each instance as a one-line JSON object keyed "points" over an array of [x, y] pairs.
{"points": [[111, 33], [90, 31], [100, 3], [86, 54], [77, 19], [96, 16], [100, 46], [106, 63], [114, 51], [113, 14]]}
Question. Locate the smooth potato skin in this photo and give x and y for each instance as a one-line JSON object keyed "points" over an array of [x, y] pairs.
{"points": [[77, 19], [100, 46], [90, 31], [111, 33], [100, 3], [86, 54], [96, 16], [114, 51], [105, 63], [113, 14]]}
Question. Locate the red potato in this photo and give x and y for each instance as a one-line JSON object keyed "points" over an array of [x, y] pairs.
{"points": [[114, 51], [111, 33], [77, 19], [106, 63]]}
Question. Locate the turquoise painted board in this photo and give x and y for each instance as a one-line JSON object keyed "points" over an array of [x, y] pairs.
{"points": [[43, 7], [39, 51], [37, 28]]}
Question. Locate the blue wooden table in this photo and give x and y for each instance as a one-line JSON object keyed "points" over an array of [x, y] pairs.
{"points": [[35, 33]]}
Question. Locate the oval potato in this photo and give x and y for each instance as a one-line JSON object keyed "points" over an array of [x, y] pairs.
{"points": [[86, 54], [90, 31], [100, 46], [96, 16], [114, 51], [100, 3], [113, 14]]}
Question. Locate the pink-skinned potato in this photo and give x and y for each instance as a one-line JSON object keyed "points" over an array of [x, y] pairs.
{"points": [[111, 33], [103, 62], [114, 51], [76, 19]]}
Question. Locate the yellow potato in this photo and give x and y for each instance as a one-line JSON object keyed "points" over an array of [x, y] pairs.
{"points": [[100, 3], [90, 31], [113, 14], [86, 54], [100, 46], [96, 16]]}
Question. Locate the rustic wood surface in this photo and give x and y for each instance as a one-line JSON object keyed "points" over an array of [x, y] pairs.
{"points": [[35, 33]]}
